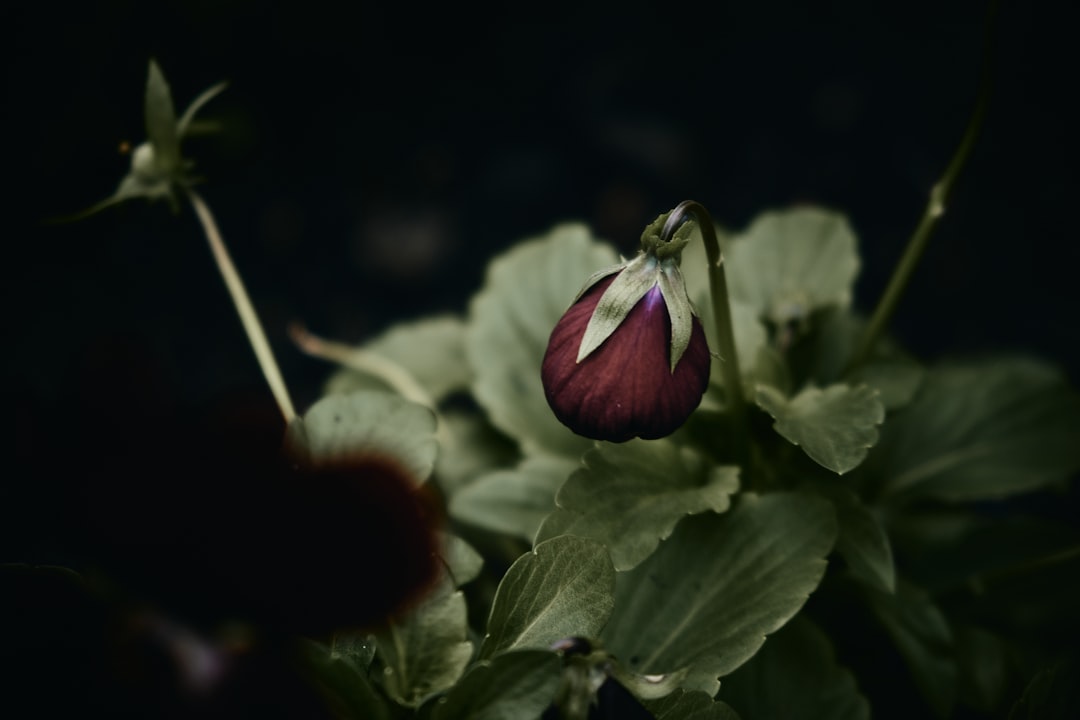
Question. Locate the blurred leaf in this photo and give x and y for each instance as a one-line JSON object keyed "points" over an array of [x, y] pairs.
{"points": [[791, 262], [513, 501], [427, 651], [161, 122], [183, 125], [1053, 694], [463, 562], [526, 292], [712, 591], [562, 588], [923, 637], [471, 449], [835, 426], [981, 430], [516, 685], [345, 684], [896, 380], [863, 542], [692, 705], [431, 351], [983, 666], [370, 423], [630, 496], [795, 675], [356, 647]]}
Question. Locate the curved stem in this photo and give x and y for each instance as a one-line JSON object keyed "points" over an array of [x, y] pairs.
{"points": [[240, 299], [718, 290], [935, 208]]}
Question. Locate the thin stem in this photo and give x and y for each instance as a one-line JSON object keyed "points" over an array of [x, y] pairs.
{"points": [[240, 299], [935, 208], [729, 361]]}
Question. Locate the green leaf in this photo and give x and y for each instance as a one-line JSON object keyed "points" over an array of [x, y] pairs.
{"points": [[690, 705], [183, 125], [835, 426], [896, 380], [370, 423], [923, 637], [344, 683], [633, 282], [630, 496], [796, 675], [791, 262], [527, 290], [161, 122], [430, 351], [562, 588], [462, 561], [470, 449], [1052, 694], [981, 430], [513, 501], [712, 591], [983, 663], [427, 651], [516, 685], [863, 543]]}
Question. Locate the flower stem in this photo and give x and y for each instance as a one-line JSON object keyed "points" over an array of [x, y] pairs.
{"points": [[240, 299], [729, 361], [935, 208]]}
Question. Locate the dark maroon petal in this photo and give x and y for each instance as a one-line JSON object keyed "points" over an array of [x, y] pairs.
{"points": [[625, 388]]}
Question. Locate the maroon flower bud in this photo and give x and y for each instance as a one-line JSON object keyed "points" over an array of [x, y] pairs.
{"points": [[628, 386]]}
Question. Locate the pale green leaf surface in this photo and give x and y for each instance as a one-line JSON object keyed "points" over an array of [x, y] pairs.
{"points": [[431, 351], [370, 423], [462, 561], [980, 430], [513, 501], [526, 292], [426, 651], [516, 685], [630, 496], [923, 637], [471, 448], [161, 121], [563, 588], [712, 591], [789, 263], [896, 380], [690, 705], [835, 426], [795, 676]]}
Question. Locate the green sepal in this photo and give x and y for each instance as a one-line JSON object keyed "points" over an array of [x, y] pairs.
{"points": [[636, 279], [673, 288], [598, 276], [653, 244], [161, 122]]}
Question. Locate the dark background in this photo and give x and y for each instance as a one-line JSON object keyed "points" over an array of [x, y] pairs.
{"points": [[373, 156]]}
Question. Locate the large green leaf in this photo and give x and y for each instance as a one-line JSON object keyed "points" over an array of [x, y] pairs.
{"points": [[513, 501], [630, 496], [795, 675], [791, 262], [563, 588], [516, 685], [526, 292], [690, 705], [373, 423], [863, 543], [712, 591], [427, 353], [427, 651], [923, 637], [835, 426], [462, 561], [981, 430], [469, 448]]}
